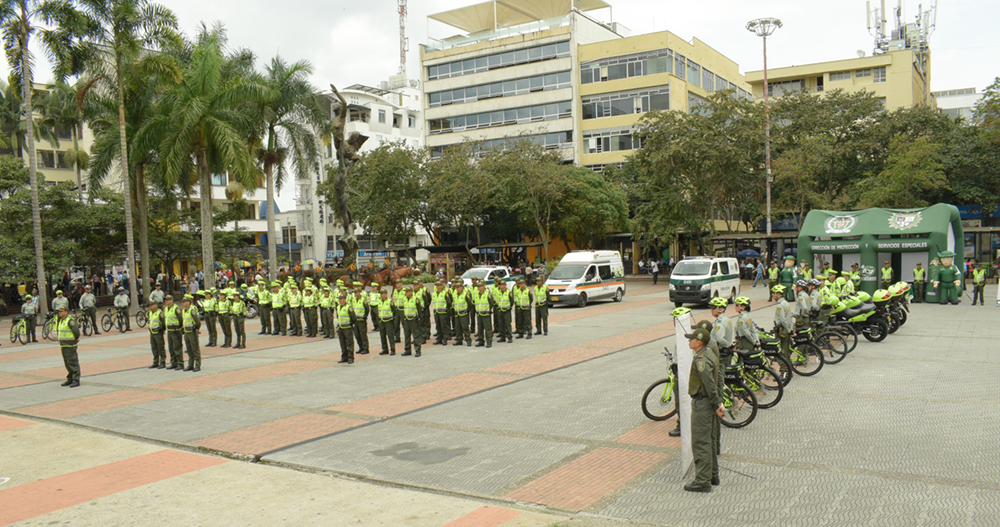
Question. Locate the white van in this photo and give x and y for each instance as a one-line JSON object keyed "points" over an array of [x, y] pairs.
{"points": [[698, 279], [582, 276]]}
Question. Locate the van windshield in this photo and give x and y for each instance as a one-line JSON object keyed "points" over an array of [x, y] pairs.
{"points": [[689, 268], [476, 273], [568, 272]]}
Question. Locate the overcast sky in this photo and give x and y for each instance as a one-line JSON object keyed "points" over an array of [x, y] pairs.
{"points": [[358, 41]]}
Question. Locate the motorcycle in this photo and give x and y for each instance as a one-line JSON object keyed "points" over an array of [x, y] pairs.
{"points": [[865, 315]]}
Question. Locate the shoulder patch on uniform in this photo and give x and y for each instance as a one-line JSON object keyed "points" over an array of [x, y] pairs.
{"points": [[701, 366]]}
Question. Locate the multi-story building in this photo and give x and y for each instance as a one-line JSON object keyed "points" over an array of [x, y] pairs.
{"points": [[957, 103]]}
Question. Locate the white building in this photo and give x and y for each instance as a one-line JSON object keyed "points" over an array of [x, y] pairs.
{"points": [[957, 103]]}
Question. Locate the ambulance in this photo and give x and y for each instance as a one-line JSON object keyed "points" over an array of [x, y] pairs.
{"points": [[698, 279], [582, 276]]}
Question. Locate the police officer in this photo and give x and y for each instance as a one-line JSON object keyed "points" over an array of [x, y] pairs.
{"points": [[29, 309], [278, 309], [425, 310], [264, 306], [121, 305], [803, 304], [784, 322], [359, 302], [886, 275], [746, 330], [787, 276], [157, 294], [223, 307], [157, 326], [398, 295], [412, 332], [504, 301], [294, 311], [385, 322], [68, 334], [461, 304], [88, 303], [772, 279], [919, 282], [326, 307], [174, 319], [541, 301], [484, 303], [522, 308], [60, 300], [374, 299], [705, 408], [978, 283], [345, 319], [309, 303], [192, 328], [440, 305], [238, 312], [209, 304]]}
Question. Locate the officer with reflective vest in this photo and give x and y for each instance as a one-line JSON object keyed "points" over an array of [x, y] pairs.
{"points": [[886, 272], [309, 304], [278, 310], [225, 319], [398, 295], [294, 311], [157, 326], [264, 307], [192, 328], [440, 306], [919, 282], [412, 332], [504, 302], [238, 312], [522, 308], [461, 304], [345, 319], [374, 298], [361, 310], [326, 306], [484, 303], [384, 316], [541, 301], [772, 280], [172, 316], [425, 310], [209, 304], [68, 334], [978, 283]]}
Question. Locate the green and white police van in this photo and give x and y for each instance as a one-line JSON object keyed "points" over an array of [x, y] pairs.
{"points": [[698, 279]]}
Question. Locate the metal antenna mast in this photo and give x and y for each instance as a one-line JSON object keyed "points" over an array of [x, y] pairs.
{"points": [[404, 43]]}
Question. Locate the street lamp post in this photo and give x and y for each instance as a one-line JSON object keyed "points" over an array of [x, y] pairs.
{"points": [[288, 224], [763, 27]]}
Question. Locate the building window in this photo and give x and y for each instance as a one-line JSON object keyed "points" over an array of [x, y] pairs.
{"points": [[498, 60], [840, 76], [287, 235], [680, 65], [63, 132], [358, 115], [625, 103], [526, 114], [777, 89], [867, 72], [699, 104], [416, 144], [819, 83], [615, 140], [381, 116], [397, 120], [694, 73], [45, 158], [378, 138], [721, 84], [707, 80], [331, 244], [879, 74], [600, 168], [507, 88], [219, 180], [550, 141], [412, 121]]}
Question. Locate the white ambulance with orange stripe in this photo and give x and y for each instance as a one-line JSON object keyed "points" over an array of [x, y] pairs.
{"points": [[582, 276]]}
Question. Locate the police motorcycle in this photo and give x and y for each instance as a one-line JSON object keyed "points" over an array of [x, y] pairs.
{"points": [[867, 313], [899, 305]]}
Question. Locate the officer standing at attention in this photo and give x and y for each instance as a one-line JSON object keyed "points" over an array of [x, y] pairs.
{"points": [[264, 307], [412, 305], [278, 310], [172, 316], [886, 275], [345, 318], [192, 328], [803, 304], [919, 281], [88, 303], [309, 303], [121, 304], [68, 333], [425, 310], [157, 325], [209, 305], [503, 303], [326, 312], [541, 306], [440, 304], [772, 279], [222, 307], [484, 302], [461, 302], [60, 300], [374, 298], [706, 407], [978, 283], [294, 311], [784, 322], [30, 311], [157, 294], [398, 295], [522, 308], [746, 330], [384, 324], [238, 312], [361, 310]]}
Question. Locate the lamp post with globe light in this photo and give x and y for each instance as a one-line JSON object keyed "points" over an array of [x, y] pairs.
{"points": [[763, 27]]}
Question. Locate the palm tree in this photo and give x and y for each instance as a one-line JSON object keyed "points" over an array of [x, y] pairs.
{"points": [[61, 26], [287, 120], [63, 107], [123, 30], [208, 116]]}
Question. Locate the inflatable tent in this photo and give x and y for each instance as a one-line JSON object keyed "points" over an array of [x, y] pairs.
{"points": [[871, 237]]}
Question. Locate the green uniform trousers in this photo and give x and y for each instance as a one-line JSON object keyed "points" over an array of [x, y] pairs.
{"points": [[789, 292], [174, 341], [388, 335], [472, 322], [503, 324], [213, 332], [72, 362], [462, 332], [311, 322], [91, 313], [30, 323], [397, 324], [265, 318], [425, 324], [295, 321], [326, 316], [441, 326], [360, 326], [522, 321], [977, 293], [124, 315], [918, 292], [484, 329], [159, 351], [346, 343], [412, 334], [886, 284], [279, 321], [193, 349], [947, 292], [239, 324], [227, 329], [702, 447], [542, 318]]}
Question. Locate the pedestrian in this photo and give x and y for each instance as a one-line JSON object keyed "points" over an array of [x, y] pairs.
{"points": [[29, 310], [522, 308], [359, 302], [68, 334], [541, 303], [705, 407], [504, 301], [222, 307], [412, 306], [760, 274], [461, 302], [238, 313], [345, 319], [385, 322], [88, 303], [654, 266], [192, 328], [919, 282], [978, 284]]}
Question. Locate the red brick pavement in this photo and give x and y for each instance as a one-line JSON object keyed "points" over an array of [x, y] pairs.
{"points": [[585, 480], [278, 434], [12, 381], [92, 403], [551, 361], [485, 517], [59, 492], [97, 367], [232, 378], [7, 423], [653, 433], [605, 309], [423, 395]]}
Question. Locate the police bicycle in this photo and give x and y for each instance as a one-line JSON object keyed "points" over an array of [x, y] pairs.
{"points": [[115, 319], [19, 330], [83, 321], [142, 316]]}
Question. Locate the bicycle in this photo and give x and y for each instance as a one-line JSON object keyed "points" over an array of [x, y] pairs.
{"points": [[84, 322], [19, 330], [764, 382], [49, 326], [141, 316], [662, 405], [115, 319], [805, 358], [738, 401]]}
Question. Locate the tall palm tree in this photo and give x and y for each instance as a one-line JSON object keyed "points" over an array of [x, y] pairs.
{"points": [[60, 27], [209, 116], [123, 30], [288, 120]]}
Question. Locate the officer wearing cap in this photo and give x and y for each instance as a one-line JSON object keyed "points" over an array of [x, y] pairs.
{"points": [[294, 310], [29, 310], [345, 319], [784, 322], [787, 276], [886, 273], [978, 283], [264, 306], [412, 332], [425, 310], [61, 300], [210, 305], [278, 309], [121, 306], [398, 295], [68, 335], [361, 311], [705, 407], [223, 307], [461, 304], [88, 303], [440, 306], [541, 302], [384, 317], [504, 302], [484, 303], [522, 308], [326, 306], [309, 303], [174, 319], [192, 328], [919, 282], [157, 326], [238, 313], [157, 294]]}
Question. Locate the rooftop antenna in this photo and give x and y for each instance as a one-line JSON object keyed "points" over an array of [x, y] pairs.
{"points": [[876, 27], [404, 43]]}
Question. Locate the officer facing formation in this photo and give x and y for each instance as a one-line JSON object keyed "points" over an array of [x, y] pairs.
{"points": [[68, 334], [706, 406], [157, 326], [978, 283], [919, 283], [29, 310]]}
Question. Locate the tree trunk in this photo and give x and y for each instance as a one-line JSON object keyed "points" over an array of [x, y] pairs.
{"points": [[29, 126], [127, 191], [348, 241], [207, 226], [143, 225], [272, 241], [76, 164]]}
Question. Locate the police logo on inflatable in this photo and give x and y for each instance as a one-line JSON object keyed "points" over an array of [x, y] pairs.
{"points": [[904, 220], [840, 224]]}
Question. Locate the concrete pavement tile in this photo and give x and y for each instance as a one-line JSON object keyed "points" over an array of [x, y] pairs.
{"points": [[209, 366], [46, 392]]}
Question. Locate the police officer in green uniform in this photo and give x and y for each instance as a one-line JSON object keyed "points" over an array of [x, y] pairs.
{"points": [[919, 282], [440, 306], [264, 306], [294, 311], [68, 334], [174, 319], [461, 304], [772, 280], [345, 319], [225, 319], [484, 303], [278, 326], [361, 311], [88, 303], [886, 273], [326, 306], [787, 276], [503, 303], [541, 293], [425, 310], [706, 406], [61, 300], [522, 308], [978, 283], [412, 332], [209, 305], [157, 325], [192, 328], [29, 310], [309, 303], [385, 323], [238, 312], [784, 322]]}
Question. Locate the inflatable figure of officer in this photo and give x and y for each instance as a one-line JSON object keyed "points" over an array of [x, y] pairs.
{"points": [[947, 279]]}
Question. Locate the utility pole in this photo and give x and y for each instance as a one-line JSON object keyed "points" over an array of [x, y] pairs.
{"points": [[763, 27]]}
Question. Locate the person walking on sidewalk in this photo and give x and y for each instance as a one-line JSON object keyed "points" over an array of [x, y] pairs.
{"points": [[157, 326], [760, 274], [68, 333], [654, 267]]}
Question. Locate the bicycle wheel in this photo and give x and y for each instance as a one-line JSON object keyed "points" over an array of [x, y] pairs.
{"points": [[13, 332], [767, 387], [807, 359], [876, 331], [833, 346], [85, 326], [120, 323], [658, 401], [22, 333], [106, 322], [48, 329], [252, 311], [141, 318], [781, 366], [849, 333], [740, 406]]}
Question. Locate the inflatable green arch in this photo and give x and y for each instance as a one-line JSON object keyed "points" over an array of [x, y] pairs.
{"points": [[871, 237]]}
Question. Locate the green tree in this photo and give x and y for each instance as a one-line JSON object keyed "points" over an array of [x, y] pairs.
{"points": [[972, 163], [120, 32], [64, 108], [987, 111], [592, 208], [797, 178], [388, 191], [458, 193], [58, 32], [172, 233], [912, 172]]}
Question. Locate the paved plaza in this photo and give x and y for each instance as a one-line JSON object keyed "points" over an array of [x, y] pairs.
{"points": [[546, 431]]}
